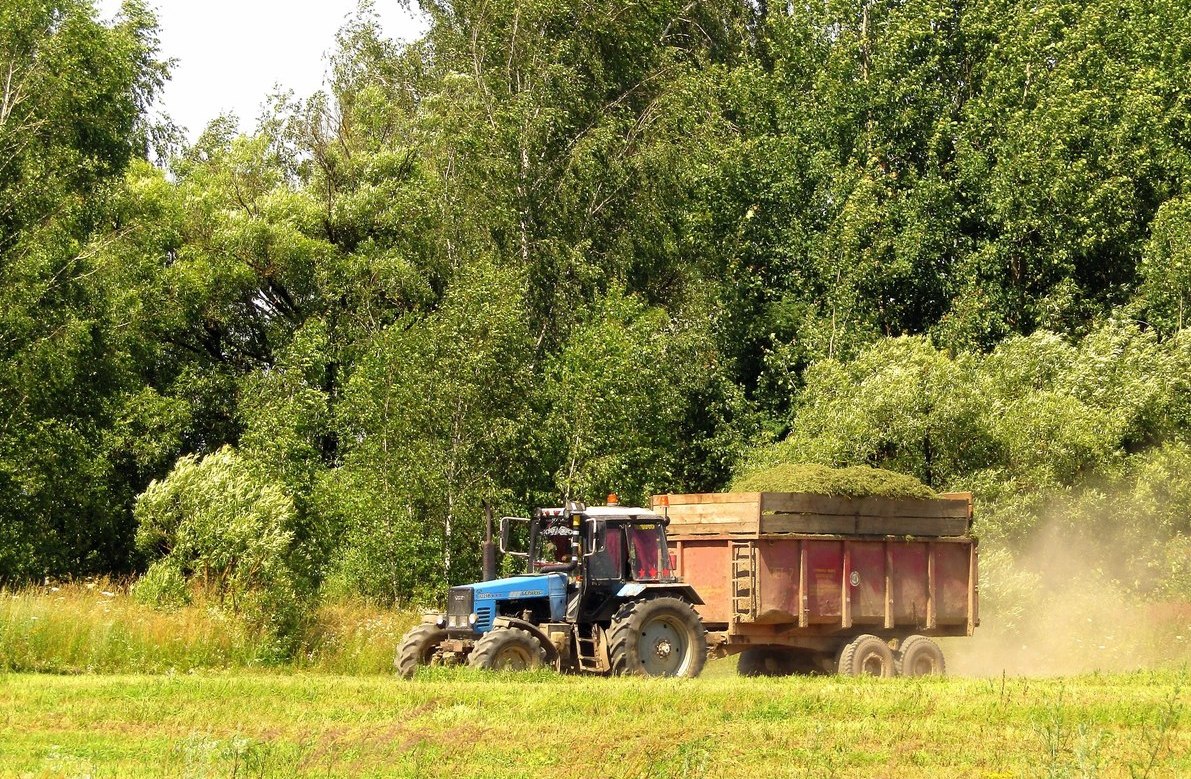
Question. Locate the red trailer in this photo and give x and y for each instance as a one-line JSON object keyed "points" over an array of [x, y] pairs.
{"points": [[813, 583]]}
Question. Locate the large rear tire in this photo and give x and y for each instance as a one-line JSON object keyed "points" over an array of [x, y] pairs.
{"points": [[866, 655], [658, 637], [418, 648], [919, 656], [507, 649]]}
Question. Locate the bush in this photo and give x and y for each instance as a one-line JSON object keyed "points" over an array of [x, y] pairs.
{"points": [[214, 525], [163, 585]]}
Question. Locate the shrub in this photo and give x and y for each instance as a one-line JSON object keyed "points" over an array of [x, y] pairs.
{"points": [[221, 529], [163, 585]]}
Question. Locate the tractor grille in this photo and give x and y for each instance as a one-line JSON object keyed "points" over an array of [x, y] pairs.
{"points": [[459, 607]]}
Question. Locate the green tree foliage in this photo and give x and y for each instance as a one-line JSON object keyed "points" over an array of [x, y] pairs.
{"points": [[621, 395], [1165, 294], [556, 249], [433, 424], [73, 394]]}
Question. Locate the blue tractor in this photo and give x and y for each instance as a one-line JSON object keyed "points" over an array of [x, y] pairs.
{"points": [[598, 596]]}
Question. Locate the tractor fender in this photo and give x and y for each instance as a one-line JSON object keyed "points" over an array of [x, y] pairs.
{"points": [[660, 589], [543, 639]]}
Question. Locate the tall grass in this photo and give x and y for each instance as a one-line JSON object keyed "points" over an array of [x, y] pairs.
{"points": [[98, 627]]}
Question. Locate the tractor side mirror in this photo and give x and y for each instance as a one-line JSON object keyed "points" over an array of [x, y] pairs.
{"points": [[506, 534]]}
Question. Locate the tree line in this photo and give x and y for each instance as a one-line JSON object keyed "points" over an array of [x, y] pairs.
{"points": [[555, 249]]}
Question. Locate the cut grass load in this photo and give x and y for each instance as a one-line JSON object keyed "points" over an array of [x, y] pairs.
{"points": [[858, 481]]}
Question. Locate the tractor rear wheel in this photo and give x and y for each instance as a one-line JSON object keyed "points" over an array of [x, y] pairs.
{"points": [[658, 637], [507, 649], [418, 648], [867, 655], [919, 656]]}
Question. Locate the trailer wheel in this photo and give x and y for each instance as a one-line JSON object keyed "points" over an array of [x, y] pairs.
{"points": [[827, 662], [766, 661], [919, 656], [866, 655], [812, 663], [418, 648], [658, 637], [507, 649]]}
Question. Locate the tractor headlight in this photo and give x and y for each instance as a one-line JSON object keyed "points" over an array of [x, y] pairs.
{"points": [[473, 618]]}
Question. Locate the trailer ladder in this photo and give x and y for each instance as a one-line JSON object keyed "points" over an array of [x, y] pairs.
{"points": [[744, 581]]}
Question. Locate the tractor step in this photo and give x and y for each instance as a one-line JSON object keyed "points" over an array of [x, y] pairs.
{"points": [[588, 654]]}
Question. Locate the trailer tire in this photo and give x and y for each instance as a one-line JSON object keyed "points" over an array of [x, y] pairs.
{"points": [[657, 637], [417, 648], [767, 661], [866, 655], [827, 662], [919, 656], [507, 649], [811, 663]]}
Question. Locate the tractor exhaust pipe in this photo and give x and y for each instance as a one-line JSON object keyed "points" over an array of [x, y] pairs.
{"points": [[489, 551]]}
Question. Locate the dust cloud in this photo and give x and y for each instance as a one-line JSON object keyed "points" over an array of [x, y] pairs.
{"points": [[1069, 603]]}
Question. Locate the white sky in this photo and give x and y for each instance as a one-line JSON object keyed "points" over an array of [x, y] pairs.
{"points": [[231, 53]]}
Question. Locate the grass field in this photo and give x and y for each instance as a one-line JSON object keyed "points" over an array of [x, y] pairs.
{"points": [[94, 685], [457, 723]]}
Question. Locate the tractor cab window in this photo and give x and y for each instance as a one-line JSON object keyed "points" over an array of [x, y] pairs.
{"points": [[608, 563], [553, 545], [649, 558]]}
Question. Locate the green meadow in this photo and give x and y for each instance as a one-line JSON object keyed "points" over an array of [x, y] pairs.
{"points": [[94, 684], [459, 723]]}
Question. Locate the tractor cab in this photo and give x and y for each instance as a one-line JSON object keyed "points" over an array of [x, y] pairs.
{"points": [[629, 546], [597, 544]]}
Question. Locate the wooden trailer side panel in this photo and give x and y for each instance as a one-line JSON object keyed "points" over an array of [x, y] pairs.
{"points": [[866, 584], [825, 571], [768, 513], [780, 572], [786, 564], [705, 565], [892, 584], [952, 566], [911, 591]]}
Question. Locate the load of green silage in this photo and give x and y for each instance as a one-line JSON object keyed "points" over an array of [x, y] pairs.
{"points": [[858, 481]]}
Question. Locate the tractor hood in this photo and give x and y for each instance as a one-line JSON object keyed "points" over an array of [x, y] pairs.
{"points": [[551, 587]]}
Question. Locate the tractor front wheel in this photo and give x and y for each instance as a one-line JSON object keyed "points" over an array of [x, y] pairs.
{"points": [[659, 637], [507, 649], [418, 648]]}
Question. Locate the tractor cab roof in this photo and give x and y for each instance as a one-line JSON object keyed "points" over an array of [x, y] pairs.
{"points": [[607, 512], [621, 512]]}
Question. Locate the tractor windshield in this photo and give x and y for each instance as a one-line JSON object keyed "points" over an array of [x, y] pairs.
{"points": [[648, 556]]}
